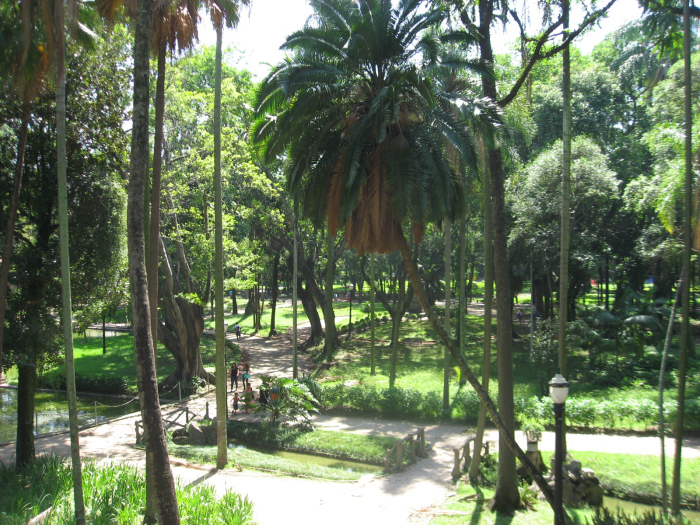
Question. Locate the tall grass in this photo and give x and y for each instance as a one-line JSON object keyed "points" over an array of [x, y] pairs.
{"points": [[114, 493]]}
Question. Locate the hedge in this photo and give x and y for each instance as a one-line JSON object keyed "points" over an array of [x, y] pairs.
{"points": [[580, 411]]}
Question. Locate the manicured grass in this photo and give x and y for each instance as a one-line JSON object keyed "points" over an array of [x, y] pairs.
{"points": [[284, 316], [119, 359], [631, 476], [621, 475], [344, 445]]}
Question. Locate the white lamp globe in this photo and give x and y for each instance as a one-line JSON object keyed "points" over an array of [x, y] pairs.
{"points": [[559, 389]]}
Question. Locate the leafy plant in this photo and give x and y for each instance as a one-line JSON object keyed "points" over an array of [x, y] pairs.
{"points": [[294, 400]]}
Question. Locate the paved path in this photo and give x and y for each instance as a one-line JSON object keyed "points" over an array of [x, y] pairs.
{"points": [[406, 497]]}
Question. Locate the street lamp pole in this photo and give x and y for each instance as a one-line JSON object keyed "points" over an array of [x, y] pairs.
{"points": [[558, 391]]}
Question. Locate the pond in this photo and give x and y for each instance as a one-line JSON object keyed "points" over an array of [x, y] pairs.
{"points": [[51, 409], [351, 466]]}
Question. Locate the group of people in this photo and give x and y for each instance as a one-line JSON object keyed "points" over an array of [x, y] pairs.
{"points": [[242, 370]]}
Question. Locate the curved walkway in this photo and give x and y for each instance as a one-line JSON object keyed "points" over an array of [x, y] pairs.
{"points": [[406, 497]]}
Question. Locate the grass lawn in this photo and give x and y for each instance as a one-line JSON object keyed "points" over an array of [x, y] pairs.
{"points": [[624, 475], [119, 359], [284, 316]]}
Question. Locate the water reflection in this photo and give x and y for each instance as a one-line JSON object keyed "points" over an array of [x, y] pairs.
{"points": [[51, 411]]}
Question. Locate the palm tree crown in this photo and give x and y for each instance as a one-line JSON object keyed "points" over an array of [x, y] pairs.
{"points": [[363, 121]]}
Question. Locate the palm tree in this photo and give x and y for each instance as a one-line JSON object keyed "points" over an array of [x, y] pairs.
{"points": [[164, 484], [364, 128]]}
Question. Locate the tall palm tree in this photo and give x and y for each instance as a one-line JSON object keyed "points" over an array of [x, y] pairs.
{"points": [[166, 502], [364, 128]]}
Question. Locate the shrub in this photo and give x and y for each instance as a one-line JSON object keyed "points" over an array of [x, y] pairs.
{"points": [[603, 516], [362, 398], [581, 412], [432, 405], [313, 386], [470, 403], [400, 401], [333, 396]]}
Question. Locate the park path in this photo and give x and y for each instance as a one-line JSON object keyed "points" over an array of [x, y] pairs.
{"points": [[407, 497]]}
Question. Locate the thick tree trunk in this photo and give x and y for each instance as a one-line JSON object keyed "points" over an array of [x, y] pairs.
{"points": [[488, 306], [156, 448], [181, 331], [6, 263], [505, 432]]}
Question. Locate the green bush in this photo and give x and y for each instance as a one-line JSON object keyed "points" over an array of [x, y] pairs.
{"points": [[469, 403], [400, 401], [362, 398], [432, 405]]}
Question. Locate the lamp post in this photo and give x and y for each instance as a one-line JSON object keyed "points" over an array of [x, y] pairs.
{"points": [[558, 391]]}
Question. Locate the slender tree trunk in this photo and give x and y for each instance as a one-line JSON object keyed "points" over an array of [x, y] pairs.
{"points": [[104, 333], [329, 315], [154, 233], [448, 328], [295, 278], [488, 309], [221, 403], [687, 239], [565, 199], [371, 315], [462, 287], [396, 325], [275, 286], [6, 263], [59, 12], [156, 448], [662, 374], [505, 432]]}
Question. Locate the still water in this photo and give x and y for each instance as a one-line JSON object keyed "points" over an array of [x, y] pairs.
{"points": [[52, 411], [352, 466]]}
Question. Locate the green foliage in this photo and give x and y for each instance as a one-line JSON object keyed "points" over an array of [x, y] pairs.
{"points": [[114, 493], [294, 400], [603, 516]]}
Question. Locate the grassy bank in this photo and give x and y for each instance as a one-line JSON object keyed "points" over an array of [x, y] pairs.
{"points": [[245, 458], [344, 445]]}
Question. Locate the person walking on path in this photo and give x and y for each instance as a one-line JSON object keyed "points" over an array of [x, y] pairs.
{"points": [[234, 375], [246, 375]]}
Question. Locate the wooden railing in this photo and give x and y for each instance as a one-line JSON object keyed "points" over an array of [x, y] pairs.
{"points": [[466, 454], [413, 444]]}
